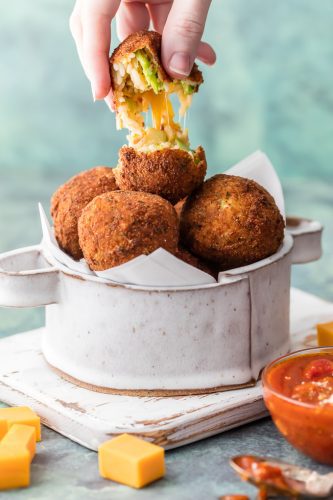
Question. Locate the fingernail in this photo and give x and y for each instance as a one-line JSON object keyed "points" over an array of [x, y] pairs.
{"points": [[180, 63], [207, 61], [109, 103], [93, 93]]}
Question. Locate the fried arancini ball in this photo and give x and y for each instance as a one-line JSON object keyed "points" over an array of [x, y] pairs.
{"points": [[118, 226], [231, 221], [139, 82], [69, 200], [148, 43], [170, 173], [136, 67]]}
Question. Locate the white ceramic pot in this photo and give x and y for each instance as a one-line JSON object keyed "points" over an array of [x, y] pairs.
{"points": [[167, 340]]}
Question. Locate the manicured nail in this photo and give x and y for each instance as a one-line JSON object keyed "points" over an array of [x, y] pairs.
{"points": [[180, 63], [93, 93]]}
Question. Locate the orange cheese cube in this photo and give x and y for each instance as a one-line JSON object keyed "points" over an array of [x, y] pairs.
{"points": [[3, 428], [21, 415], [131, 461], [325, 334], [14, 467], [19, 436]]}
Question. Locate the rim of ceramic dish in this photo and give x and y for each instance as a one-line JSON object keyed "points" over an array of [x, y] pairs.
{"points": [[227, 277], [280, 360], [297, 226]]}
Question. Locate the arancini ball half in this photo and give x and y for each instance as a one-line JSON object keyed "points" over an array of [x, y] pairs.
{"points": [[118, 226], [69, 200], [231, 221], [169, 173]]}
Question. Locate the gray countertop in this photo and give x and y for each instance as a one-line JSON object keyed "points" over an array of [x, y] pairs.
{"points": [[63, 469]]}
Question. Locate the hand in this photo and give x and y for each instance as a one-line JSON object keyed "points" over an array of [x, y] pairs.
{"points": [[181, 23]]}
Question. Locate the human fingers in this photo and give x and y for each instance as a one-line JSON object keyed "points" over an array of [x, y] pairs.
{"points": [[96, 16], [76, 28], [159, 13], [206, 53], [182, 35], [131, 16]]}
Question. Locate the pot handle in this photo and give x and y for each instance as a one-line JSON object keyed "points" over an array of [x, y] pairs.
{"points": [[307, 239], [27, 279]]}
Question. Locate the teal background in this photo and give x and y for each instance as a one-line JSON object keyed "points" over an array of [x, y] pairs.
{"points": [[271, 89]]}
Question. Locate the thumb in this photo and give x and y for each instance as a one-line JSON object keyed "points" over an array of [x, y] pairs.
{"points": [[182, 34]]}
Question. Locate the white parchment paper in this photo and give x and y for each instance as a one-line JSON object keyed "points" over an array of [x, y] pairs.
{"points": [[259, 168]]}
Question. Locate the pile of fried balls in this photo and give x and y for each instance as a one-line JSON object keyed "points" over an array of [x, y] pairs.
{"points": [[226, 222]]}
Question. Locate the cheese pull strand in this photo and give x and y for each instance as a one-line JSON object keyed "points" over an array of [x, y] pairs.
{"points": [[161, 108]]}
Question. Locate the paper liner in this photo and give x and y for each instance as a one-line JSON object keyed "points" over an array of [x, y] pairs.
{"points": [[259, 168], [161, 268], [52, 246]]}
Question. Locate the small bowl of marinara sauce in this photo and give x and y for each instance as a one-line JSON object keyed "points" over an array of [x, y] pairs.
{"points": [[298, 392]]}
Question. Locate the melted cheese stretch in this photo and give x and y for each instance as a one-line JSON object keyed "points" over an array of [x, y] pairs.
{"points": [[161, 108], [134, 99]]}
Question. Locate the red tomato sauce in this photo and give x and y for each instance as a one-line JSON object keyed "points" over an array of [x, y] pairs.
{"points": [[307, 378], [262, 471], [266, 476], [298, 392]]}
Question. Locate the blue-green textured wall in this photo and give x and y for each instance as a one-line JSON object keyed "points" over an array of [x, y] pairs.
{"points": [[272, 89]]}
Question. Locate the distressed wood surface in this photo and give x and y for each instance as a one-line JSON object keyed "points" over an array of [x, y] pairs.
{"points": [[90, 418]]}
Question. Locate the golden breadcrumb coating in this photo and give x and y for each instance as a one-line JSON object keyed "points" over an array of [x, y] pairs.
{"points": [[231, 221], [69, 200], [118, 226], [150, 41], [170, 173]]}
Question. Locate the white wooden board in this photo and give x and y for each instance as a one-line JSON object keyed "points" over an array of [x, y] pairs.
{"points": [[90, 418]]}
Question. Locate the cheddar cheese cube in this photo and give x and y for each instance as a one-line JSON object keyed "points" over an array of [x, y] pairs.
{"points": [[20, 415], [132, 461], [3, 428], [325, 334], [19, 436], [14, 467]]}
